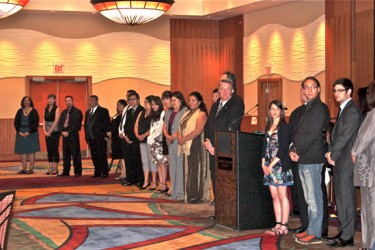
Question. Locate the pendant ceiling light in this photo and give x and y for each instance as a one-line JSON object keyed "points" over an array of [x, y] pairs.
{"points": [[132, 12], [9, 7]]}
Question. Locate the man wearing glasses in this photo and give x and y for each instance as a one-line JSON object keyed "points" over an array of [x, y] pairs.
{"points": [[339, 156], [308, 149]]}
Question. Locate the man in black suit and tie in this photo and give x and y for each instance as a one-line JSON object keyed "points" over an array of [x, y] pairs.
{"points": [[70, 125], [339, 156], [225, 114], [134, 171], [97, 122]]}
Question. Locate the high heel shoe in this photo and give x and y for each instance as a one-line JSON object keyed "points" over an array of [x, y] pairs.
{"points": [[54, 172], [142, 188], [162, 191]]}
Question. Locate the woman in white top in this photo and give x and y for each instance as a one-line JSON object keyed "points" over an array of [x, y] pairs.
{"points": [[155, 140]]}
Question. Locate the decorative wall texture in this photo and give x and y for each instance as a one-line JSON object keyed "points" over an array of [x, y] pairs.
{"points": [[106, 56], [293, 53]]}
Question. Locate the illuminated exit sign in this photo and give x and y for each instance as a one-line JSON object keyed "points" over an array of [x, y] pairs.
{"points": [[58, 68]]}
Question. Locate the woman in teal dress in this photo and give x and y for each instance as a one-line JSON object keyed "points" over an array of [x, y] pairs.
{"points": [[27, 138], [276, 165]]}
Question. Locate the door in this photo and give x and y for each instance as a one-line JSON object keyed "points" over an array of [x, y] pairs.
{"points": [[41, 87], [269, 89]]}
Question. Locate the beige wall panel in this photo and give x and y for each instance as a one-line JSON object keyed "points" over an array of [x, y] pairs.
{"points": [[110, 91], [12, 91]]}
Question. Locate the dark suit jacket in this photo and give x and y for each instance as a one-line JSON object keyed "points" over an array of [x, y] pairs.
{"points": [[232, 110], [75, 120], [343, 136], [283, 135], [130, 122], [101, 123], [308, 137]]}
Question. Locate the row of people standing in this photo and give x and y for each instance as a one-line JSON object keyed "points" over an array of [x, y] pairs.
{"points": [[67, 124], [308, 148]]}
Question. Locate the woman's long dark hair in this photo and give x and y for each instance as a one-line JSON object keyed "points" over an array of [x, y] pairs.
{"points": [[180, 97], [199, 97], [155, 115], [123, 103], [370, 97], [278, 104]]}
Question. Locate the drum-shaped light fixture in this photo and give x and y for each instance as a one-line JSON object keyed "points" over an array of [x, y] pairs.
{"points": [[132, 12], [9, 7]]}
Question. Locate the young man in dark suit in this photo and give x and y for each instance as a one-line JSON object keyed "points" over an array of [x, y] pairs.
{"points": [[225, 114], [339, 156], [70, 125], [133, 163], [97, 122]]}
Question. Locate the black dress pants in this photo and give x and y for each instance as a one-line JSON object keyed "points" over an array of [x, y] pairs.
{"points": [[72, 149], [133, 163], [98, 148], [52, 143]]}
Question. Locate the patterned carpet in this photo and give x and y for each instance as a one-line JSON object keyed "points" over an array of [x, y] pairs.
{"points": [[83, 213]]}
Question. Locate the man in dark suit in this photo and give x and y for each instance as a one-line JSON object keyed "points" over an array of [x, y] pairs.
{"points": [[339, 156], [133, 163], [70, 125], [225, 114], [308, 149], [97, 122]]}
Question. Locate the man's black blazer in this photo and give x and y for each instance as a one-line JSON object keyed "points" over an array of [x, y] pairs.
{"points": [[75, 120], [101, 123], [308, 137], [131, 118], [226, 118]]}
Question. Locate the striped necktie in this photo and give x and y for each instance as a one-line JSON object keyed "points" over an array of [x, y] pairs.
{"points": [[219, 108]]}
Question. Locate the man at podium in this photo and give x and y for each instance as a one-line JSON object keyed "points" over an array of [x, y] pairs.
{"points": [[225, 114]]}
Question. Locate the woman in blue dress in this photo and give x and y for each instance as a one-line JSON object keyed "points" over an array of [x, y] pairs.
{"points": [[276, 165], [27, 138]]}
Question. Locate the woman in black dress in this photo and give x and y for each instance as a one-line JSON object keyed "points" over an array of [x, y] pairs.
{"points": [[52, 133], [116, 144], [27, 138]]}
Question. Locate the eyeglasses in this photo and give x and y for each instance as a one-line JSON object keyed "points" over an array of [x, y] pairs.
{"points": [[132, 99], [338, 90], [313, 87]]}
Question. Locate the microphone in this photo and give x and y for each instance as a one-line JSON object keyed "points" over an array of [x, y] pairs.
{"points": [[246, 113]]}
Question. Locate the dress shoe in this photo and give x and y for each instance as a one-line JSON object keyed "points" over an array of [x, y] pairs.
{"points": [[77, 175], [297, 230], [342, 243], [104, 176], [334, 238], [95, 176], [63, 175], [126, 183], [144, 187]]}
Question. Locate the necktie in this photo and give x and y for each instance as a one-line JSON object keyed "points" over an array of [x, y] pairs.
{"points": [[338, 114], [219, 108], [91, 111], [66, 120]]}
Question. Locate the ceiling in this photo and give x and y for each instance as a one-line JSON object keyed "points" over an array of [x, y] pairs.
{"points": [[212, 9]]}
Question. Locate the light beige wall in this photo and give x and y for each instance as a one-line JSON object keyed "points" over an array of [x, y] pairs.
{"points": [[117, 57], [290, 39]]}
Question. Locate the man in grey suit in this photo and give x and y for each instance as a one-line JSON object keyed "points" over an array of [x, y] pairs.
{"points": [[339, 156]]}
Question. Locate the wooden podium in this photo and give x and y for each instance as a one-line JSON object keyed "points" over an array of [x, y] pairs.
{"points": [[242, 201]]}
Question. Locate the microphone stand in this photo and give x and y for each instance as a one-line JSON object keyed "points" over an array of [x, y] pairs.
{"points": [[246, 113]]}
